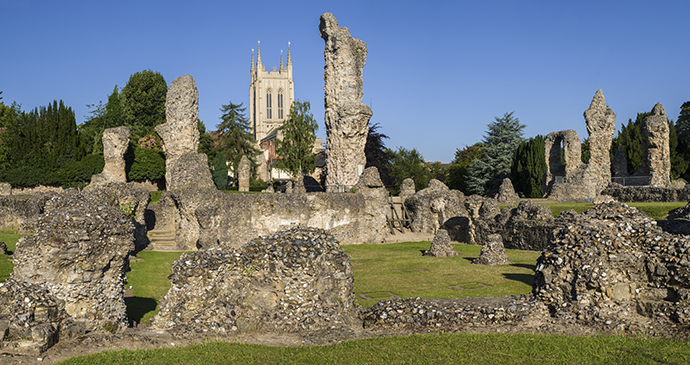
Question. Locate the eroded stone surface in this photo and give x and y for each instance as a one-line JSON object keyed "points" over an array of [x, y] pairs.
{"points": [[298, 280], [243, 173], [407, 189], [429, 208], [80, 255], [440, 245], [115, 143], [506, 193], [346, 118], [656, 153], [493, 253]]}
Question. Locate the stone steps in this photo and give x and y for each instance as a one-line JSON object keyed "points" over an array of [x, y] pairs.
{"points": [[162, 240]]}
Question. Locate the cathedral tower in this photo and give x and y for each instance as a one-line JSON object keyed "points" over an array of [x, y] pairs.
{"points": [[271, 94]]}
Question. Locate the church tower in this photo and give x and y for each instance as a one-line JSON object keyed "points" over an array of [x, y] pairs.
{"points": [[271, 94]]}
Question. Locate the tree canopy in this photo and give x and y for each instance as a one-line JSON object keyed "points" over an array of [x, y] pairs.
{"points": [[529, 167], [377, 154], [408, 163], [295, 151], [234, 136], [500, 142], [143, 103]]}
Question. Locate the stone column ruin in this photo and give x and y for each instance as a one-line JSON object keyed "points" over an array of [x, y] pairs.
{"points": [[656, 153], [115, 143], [346, 118]]}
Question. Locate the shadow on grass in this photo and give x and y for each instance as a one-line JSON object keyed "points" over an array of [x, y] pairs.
{"points": [[525, 278], [532, 267], [137, 307]]}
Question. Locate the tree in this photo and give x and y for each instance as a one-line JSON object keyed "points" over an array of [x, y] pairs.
{"points": [[143, 102], [529, 167], [456, 174], [683, 132], [630, 140], [234, 135], [679, 164], [148, 164], [500, 142], [296, 148], [220, 171], [408, 164], [377, 154]]}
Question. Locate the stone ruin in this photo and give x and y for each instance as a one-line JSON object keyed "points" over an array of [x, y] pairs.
{"points": [[429, 208], [288, 282], [115, 143], [493, 253], [243, 173], [69, 277], [5, 189], [346, 118], [506, 193], [184, 166], [407, 189], [656, 158], [440, 245], [580, 181]]}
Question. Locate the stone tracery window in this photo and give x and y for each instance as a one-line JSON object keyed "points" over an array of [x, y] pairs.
{"points": [[280, 104], [269, 106]]}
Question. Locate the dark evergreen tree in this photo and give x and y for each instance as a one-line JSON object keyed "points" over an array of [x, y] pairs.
{"points": [[234, 135], [377, 154], [679, 164], [683, 132], [296, 148], [529, 167], [502, 139], [143, 103], [630, 140], [220, 171], [456, 174]]}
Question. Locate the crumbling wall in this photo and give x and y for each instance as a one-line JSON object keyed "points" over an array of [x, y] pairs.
{"points": [[115, 143], [346, 118], [656, 153], [21, 211]]}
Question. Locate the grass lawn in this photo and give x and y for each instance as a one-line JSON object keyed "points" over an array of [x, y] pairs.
{"points": [[399, 269], [419, 349], [10, 237]]}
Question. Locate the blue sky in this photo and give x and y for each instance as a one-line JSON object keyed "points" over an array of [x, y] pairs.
{"points": [[437, 72]]}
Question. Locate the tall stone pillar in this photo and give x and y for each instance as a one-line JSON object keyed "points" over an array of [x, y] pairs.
{"points": [[115, 143], [346, 118], [656, 153], [601, 125]]}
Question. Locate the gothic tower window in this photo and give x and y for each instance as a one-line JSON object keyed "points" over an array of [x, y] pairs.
{"points": [[280, 104], [269, 106]]}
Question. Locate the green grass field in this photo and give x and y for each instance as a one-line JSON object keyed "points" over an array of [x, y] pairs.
{"points": [[10, 237], [419, 349]]}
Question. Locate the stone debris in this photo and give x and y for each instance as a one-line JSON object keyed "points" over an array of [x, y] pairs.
{"points": [[298, 185], [3, 248], [297, 280], [115, 143], [184, 166], [407, 189], [243, 173], [5, 188], [346, 118], [429, 208], [493, 253], [647, 193], [506, 193], [656, 158], [440, 245], [80, 254]]}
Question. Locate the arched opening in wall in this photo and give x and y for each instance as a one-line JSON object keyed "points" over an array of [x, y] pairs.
{"points": [[557, 159]]}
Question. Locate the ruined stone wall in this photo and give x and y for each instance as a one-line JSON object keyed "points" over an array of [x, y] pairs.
{"points": [[647, 193], [346, 118], [115, 143], [656, 153], [21, 211]]}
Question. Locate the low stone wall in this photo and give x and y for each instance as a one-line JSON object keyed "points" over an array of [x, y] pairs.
{"points": [[21, 211], [646, 193]]}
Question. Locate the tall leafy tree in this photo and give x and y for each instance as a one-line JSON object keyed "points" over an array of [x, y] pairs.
{"points": [[529, 167], [408, 164], [683, 132], [500, 142], [630, 140], [143, 103], [297, 146], [234, 135], [456, 175], [377, 154]]}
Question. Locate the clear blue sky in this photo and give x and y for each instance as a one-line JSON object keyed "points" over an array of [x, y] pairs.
{"points": [[437, 72]]}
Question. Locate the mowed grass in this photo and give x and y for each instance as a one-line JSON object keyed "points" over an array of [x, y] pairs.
{"points": [[399, 269], [436, 348], [10, 237], [149, 283]]}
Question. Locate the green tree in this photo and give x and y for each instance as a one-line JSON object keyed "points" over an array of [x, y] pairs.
{"points": [[456, 175], [502, 139], [679, 164], [234, 135], [683, 132], [148, 164], [408, 164], [630, 140], [143, 103], [220, 171], [377, 154], [529, 167], [296, 148]]}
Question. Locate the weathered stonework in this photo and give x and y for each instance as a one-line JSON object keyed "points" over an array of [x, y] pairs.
{"points": [[581, 182], [184, 166], [506, 193], [346, 118], [243, 172], [440, 245], [297, 280], [656, 153], [115, 143], [493, 253], [407, 189], [429, 208], [80, 255], [20, 212], [5, 188]]}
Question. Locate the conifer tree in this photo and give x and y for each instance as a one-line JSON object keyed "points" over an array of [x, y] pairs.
{"points": [[683, 131], [529, 167], [295, 151], [220, 171], [630, 139], [500, 142], [234, 137], [376, 153]]}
